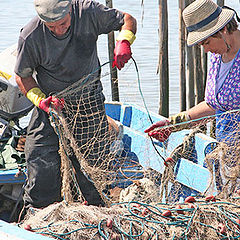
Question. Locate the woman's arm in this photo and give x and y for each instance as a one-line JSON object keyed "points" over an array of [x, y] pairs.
{"points": [[200, 110]]}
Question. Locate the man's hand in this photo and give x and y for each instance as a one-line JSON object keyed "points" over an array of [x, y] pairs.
{"points": [[51, 102], [159, 134], [38, 98], [122, 53]]}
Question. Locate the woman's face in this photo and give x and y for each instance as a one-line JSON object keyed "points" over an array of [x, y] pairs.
{"points": [[60, 27], [214, 44]]}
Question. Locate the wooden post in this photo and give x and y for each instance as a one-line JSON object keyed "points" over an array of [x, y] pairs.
{"points": [[182, 56], [114, 75], [204, 67], [190, 77], [190, 71], [198, 73], [163, 67]]}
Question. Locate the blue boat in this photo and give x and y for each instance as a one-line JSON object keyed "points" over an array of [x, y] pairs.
{"points": [[134, 120], [137, 145]]}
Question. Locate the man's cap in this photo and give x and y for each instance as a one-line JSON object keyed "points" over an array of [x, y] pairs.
{"points": [[52, 10], [203, 18]]}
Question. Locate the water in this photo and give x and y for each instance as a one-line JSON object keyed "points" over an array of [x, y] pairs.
{"points": [[15, 14]]}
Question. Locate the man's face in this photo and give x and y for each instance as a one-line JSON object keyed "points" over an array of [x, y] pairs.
{"points": [[60, 27]]}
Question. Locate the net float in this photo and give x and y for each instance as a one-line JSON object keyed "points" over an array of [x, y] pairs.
{"points": [[179, 211], [238, 222], [222, 228], [167, 213], [210, 198], [190, 205], [190, 199], [168, 160], [145, 212], [28, 228], [109, 223]]}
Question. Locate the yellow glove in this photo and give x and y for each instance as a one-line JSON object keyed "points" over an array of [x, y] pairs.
{"points": [[126, 35], [35, 95], [38, 98], [179, 118]]}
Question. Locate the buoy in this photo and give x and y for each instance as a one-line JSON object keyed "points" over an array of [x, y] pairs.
{"points": [[167, 213], [190, 199]]}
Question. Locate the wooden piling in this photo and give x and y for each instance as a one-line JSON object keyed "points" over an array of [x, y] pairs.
{"points": [[113, 71], [191, 97], [190, 78], [182, 56], [163, 65], [198, 73]]}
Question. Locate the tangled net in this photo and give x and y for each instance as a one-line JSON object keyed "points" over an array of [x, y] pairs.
{"points": [[203, 219], [94, 149], [221, 154], [91, 145]]}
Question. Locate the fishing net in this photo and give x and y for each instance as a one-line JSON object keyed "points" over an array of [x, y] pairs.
{"points": [[91, 145], [212, 143], [202, 219], [139, 186]]}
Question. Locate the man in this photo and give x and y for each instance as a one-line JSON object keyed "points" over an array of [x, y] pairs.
{"points": [[60, 46]]}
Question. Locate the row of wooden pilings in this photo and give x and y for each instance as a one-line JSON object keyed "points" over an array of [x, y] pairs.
{"points": [[192, 62]]}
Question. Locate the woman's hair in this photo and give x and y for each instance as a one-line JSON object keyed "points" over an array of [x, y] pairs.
{"points": [[231, 26]]}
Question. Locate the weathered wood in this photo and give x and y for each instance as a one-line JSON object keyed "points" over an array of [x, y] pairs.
{"points": [[190, 71], [182, 56], [113, 71], [190, 77], [198, 73], [163, 65], [204, 66]]}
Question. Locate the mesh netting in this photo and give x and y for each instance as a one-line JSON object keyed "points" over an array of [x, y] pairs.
{"points": [[91, 146], [99, 166], [137, 220], [219, 153]]}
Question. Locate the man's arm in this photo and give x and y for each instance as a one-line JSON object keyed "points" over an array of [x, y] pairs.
{"points": [[25, 84], [31, 90], [130, 23]]}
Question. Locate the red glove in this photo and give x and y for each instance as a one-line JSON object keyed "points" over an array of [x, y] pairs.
{"points": [[160, 134], [55, 103], [122, 53]]}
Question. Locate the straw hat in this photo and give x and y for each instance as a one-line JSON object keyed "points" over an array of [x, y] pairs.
{"points": [[203, 18]]}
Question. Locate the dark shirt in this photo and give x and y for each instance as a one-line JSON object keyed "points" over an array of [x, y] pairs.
{"points": [[59, 62]]}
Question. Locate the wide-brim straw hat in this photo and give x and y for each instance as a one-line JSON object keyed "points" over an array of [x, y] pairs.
{"points": [[203, 18]]}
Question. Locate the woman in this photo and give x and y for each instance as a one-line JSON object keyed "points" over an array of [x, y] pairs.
{"points": [[215, 29]]}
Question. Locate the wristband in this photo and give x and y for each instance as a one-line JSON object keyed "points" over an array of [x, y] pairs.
{"points": [[126, 35], [35, 95]]}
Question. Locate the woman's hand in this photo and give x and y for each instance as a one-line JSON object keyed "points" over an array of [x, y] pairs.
{"points": [[156, 131]]}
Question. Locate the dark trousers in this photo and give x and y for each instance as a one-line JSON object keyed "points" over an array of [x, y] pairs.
{"points": [[43, 185]]}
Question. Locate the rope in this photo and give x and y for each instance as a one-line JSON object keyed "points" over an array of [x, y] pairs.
{"points": [[133, 224], [145, 105]]}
